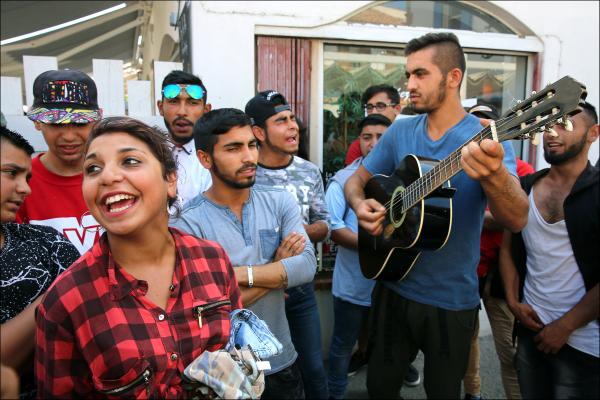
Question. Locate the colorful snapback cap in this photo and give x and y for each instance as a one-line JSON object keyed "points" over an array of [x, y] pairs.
{"points": [[64, 97]]}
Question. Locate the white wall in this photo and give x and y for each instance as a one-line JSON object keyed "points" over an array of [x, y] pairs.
{"points": [[569, 31]]}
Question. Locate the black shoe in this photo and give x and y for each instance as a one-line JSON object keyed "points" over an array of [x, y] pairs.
{"points": [[357, 361], [412, 377]]}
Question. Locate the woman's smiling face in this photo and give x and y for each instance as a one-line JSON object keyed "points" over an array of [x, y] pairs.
{"points": [[124, 185]]}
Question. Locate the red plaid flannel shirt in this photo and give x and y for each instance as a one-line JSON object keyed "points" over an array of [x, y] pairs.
{"points": [[98, 336]]}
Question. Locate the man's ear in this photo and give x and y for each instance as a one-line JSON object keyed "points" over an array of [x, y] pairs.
{"points": [[205, 159], [172, 184], [454, 77], [159, 104], [593, 133], [207, 107], [259, 133]]}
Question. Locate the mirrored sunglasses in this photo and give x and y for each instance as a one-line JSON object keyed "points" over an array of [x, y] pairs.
{"points": [[194, 91]]}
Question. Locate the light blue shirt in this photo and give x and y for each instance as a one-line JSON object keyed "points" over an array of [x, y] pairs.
{"points": [[268, 216], [349, 284], [445, 278]]}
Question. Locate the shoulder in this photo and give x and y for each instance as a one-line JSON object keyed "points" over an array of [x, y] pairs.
{"points": [[303, 164], [36, 233], [197, 247], [403, 124], [264, 193], [72, 287], [193, 206], [271, 198], [204, 255]]}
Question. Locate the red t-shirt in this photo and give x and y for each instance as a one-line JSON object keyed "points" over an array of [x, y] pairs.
{"points": [[353, 152], [57, 201], [492, 240]]}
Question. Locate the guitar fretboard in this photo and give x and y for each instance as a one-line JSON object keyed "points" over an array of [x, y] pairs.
{"points": [[439, 174]]}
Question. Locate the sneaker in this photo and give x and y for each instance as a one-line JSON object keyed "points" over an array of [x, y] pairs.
{"points": [[412, 377], [357, 361]]}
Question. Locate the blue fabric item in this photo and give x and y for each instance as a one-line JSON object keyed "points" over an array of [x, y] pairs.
{"points": [[349, 284], [447, 277], [249, 330]]}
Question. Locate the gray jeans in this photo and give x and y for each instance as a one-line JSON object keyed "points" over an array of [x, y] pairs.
{"points": [[400, 327]]}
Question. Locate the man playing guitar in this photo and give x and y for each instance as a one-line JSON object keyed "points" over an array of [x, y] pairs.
{"points": [[434, 308]]}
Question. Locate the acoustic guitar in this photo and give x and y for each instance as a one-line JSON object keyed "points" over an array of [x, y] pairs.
{"points": [[418, 196]]}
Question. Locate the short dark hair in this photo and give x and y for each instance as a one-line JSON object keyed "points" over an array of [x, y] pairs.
{"points": [[153, 136], [590, 110], [391, 92], [374, 119], [181, 77], [448, 55], [16, 140], [217, 122]]}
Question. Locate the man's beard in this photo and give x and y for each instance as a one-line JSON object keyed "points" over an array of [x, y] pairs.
{"points": [[181, 140], [231, 182], [427, 108], [571, 152]]}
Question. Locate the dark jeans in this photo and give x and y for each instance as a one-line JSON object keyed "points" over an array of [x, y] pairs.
{"points": [[305, 327], [400, 328], [285, 384], [348, 318], [568, 374]]}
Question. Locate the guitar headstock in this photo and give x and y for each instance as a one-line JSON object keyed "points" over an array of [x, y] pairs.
{"points": [[542, 110]]}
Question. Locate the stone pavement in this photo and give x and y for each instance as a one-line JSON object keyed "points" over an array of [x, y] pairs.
{"points": [[491, 382]]}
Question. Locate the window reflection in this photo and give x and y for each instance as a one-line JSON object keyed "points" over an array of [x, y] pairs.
{"points": [[430, 14]]}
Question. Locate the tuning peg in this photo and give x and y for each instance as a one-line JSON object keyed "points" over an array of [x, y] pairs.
{"points": [[533, 92], [535, 138], [568, 125]]}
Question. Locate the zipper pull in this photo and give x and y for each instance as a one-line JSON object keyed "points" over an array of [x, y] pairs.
{"points": [[199, 310]]}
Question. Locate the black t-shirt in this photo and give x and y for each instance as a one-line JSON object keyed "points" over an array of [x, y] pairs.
{"points": [[30, 260]]}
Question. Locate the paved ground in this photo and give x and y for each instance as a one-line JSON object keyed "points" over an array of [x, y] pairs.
{"points": [[491, 383]]}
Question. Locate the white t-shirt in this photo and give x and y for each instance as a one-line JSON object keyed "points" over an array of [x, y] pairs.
{"points": [[192, 177], [554, 284]]}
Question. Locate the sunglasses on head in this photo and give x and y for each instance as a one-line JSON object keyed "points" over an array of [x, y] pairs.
{"points": [[194, 91]]}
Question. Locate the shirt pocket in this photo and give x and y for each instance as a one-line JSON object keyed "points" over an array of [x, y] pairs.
{"points": [[213, 315], [269, 241], [135, 383]]}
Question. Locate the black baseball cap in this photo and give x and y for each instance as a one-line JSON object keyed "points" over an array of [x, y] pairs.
{"points": [[64, 97], [264, 105], [483, 110]]}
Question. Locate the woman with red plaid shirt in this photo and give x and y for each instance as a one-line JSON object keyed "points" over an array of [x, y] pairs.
{"points": [[129, 316]]}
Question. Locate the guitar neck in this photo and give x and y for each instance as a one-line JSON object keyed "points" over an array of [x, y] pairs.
{"points": [[434, 178]]}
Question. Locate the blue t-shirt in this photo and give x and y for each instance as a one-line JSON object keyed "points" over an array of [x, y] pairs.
{"points": [[445, 278], [349, 284]]}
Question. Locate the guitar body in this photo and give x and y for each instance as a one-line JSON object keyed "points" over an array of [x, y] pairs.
{"points": [[424, 222], [425, 226]]}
